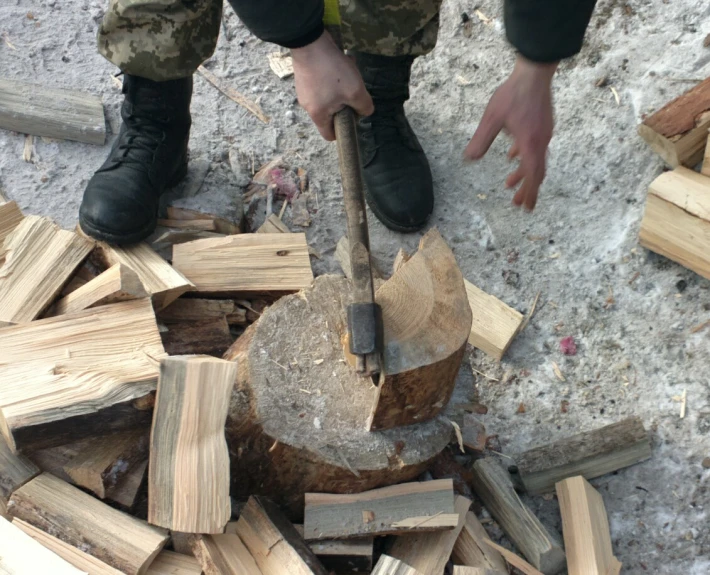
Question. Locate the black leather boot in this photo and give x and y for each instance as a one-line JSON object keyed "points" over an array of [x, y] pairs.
{"points": [[398, 181], [120, 204]]}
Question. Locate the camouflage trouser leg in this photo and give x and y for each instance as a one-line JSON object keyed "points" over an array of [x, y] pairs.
{"points": [[390, 27], [160, 39]]}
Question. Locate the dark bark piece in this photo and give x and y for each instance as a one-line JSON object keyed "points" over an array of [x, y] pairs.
{"points": [[590, 454], [298, 414], [206, 337], [15, 470]]}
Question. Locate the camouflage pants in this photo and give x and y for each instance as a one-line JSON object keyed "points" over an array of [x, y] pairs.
{"points": [[169, 39]]}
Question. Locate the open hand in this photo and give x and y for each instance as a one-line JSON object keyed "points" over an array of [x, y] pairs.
{"points": [[327, 81], [522, 107]]}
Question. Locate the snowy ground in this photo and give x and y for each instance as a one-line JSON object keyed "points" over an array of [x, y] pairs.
{"points": [[630, 311]]}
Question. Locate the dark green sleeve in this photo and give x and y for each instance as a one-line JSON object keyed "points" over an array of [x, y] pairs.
{"points": [[289, 23], [547, 30]]}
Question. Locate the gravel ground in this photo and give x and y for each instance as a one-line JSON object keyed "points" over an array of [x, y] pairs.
{"points": [[630, 311]]}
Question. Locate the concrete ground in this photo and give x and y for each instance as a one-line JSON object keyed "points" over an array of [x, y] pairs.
{"points": [[630, 311]]}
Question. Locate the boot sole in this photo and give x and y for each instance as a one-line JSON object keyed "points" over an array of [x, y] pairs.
{"points": [[394, 226], [134, 237]]}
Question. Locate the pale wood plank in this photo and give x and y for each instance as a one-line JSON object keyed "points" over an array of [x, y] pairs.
{"points": [[590, 454], [108, 460], [471, 549], [37, 259], [70, 377], [78, 519], [22, 555], [224, 554], [10, 217], [273, 541], [429, 553], [246, 263], [51, 112], [404, 508], [390, 566], [493, 486], [170, 563], [494, 324], [188, 478], [76, 557], [585, 528], [163, 282]]}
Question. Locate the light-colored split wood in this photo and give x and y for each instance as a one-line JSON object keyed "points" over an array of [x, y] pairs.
{"points": [[493, 486], [69, 377], [340, 555], [494, 324], [196, 225], [429, 553], [246, 263], [76, 557], [342, 255], [10, 217], [170, 563], [390, 566], [51, 112], [399, 509], [224, 554], [273, 541], [281, 64], [586, 529], [20, 554], [705, 170], [401, 258], [36, 260], [471, 549], [590, 454], [219, 224], [188, 479], [118, 283], [78, 519], [273, 225], [461, 570], [518, 562], [164, 283]]}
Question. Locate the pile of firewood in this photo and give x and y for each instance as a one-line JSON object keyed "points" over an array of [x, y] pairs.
{"points": [[145, 403]]}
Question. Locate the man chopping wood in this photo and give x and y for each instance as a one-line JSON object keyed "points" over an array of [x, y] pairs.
{"points": [[160, 50]]}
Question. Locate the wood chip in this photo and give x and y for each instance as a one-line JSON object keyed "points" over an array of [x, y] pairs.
{"points": [[281, 64], [558, 371], [459, 436], [234, 95]]}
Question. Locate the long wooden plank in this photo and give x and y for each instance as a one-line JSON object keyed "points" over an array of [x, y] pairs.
{"points": [[22, 555], [678, 131], [676, 221], [429, 553], [494, 487], [37, 260], [109, 458], [273, 541], [390, 566], [586, 529], [161, 280], [188, 478], [10, 217], [118, 283], [170, 563], [590, 454], [74, 376], [78, 519], [76, 557], [471, 549], [399, 509], [494, 324], [224, 554], [246, 263], [51, 112]]}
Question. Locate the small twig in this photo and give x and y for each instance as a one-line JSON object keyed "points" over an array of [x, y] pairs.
{"points": [[484, 375], [530, 314], [233, 94], [459, 436], [501, 454], [271, 449], [616, 95], [283, 209], [699, 327], [683, 401], [277, 363]]}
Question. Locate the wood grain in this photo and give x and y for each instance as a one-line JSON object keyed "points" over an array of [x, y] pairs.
{"points": [[585, 528], [10, 217], [705, 169], [273, 541], [429, 553], [118, 283], [36, 260], [494, 324], [15, 470], [342, 255], [676, 222], [224, 554], [78, 519], [493, 486], [427, 321], [170, 563], [590, 454], [399, 509], [341, 556], [74, 376], [219, 224], [209, 336], [519, 563], [51, 112], [22, 555], [471, 549], [390, 566], [246, 263], [164, 283], [188, 478], [76, 557]]}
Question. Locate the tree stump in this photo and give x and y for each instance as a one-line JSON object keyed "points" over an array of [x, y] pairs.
{"points": [[298, 418]]}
